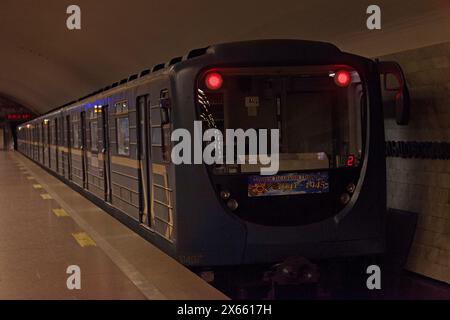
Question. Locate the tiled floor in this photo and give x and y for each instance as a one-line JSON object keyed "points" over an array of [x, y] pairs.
{"points": [[37, 246]]}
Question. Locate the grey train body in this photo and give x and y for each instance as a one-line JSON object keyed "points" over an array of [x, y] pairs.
{"points": [[178, 206]]}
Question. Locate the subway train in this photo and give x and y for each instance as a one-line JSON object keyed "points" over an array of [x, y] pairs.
{"points": [[328, 198]]}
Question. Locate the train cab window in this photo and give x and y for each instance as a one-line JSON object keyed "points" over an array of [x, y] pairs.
{"points": [[94, 136], [317, 110], [123, 136]]}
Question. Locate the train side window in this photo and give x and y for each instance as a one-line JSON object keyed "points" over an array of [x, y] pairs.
{"points": [[123, 136], [76, 133], [94, 136]]}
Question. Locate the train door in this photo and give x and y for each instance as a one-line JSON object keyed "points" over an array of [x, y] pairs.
{"points": [[41, 143], [37, 137], [56, 141], [69, 146], [48, 142], [144, 159], [36, 142], [106, 154], [84, 150], [62, 141]]}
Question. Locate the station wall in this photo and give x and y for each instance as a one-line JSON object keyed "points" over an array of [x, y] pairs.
{"points": [[422, 185]]}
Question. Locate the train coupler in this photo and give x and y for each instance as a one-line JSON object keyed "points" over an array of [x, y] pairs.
{"points": [[296, 276]]}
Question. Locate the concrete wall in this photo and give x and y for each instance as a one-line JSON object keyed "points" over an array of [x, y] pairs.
{"points": [[423, 185]]}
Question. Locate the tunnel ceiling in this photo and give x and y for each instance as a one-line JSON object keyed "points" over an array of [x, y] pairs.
{"points": [[44, 65]]}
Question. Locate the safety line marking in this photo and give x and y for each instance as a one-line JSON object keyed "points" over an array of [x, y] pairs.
{"points": [[84, 240], [149, 290], [60, 213], [37, 186], [46, 196]]}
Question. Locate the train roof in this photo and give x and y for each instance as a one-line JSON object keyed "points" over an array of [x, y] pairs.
{"points": [[250, 47]]}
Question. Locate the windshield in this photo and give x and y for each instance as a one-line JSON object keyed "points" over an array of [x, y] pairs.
{"points": [[317, 110]]}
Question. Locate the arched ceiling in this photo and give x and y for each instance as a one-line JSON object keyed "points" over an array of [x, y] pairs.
{"points": [[44, 65]]}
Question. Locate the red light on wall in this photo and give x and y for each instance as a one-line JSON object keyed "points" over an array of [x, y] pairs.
{"points": [[213, 81], [342, 78], [350, 160], [15, 116]]}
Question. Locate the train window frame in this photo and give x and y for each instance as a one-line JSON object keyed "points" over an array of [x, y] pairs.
{"points": [[122, 150]]}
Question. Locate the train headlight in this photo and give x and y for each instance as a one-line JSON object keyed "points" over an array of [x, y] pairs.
{"points": [[351, 188], [232, 204], [225, 194], [345, 198]]}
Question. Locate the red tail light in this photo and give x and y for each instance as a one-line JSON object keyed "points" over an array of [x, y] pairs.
{"points": [[213, 81], [342, 78]]}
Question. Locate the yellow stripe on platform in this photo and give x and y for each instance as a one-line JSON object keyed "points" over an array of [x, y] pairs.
{"points": [[60, 213], [46, 196], [31, 178], [84, 240], [37, 186]]}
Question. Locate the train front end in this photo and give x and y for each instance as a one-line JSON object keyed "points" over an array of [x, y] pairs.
{"points": [[327, 195]]}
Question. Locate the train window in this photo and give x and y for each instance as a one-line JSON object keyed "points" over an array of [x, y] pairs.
{"points": [[94, 136], [319, 119], [76, 135], [123, 136]]}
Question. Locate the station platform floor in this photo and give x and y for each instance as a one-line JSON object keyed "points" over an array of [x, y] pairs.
{"points": [[45, 227]]}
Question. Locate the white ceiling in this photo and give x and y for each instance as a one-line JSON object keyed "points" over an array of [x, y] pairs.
{"points": [[44, 65]]}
